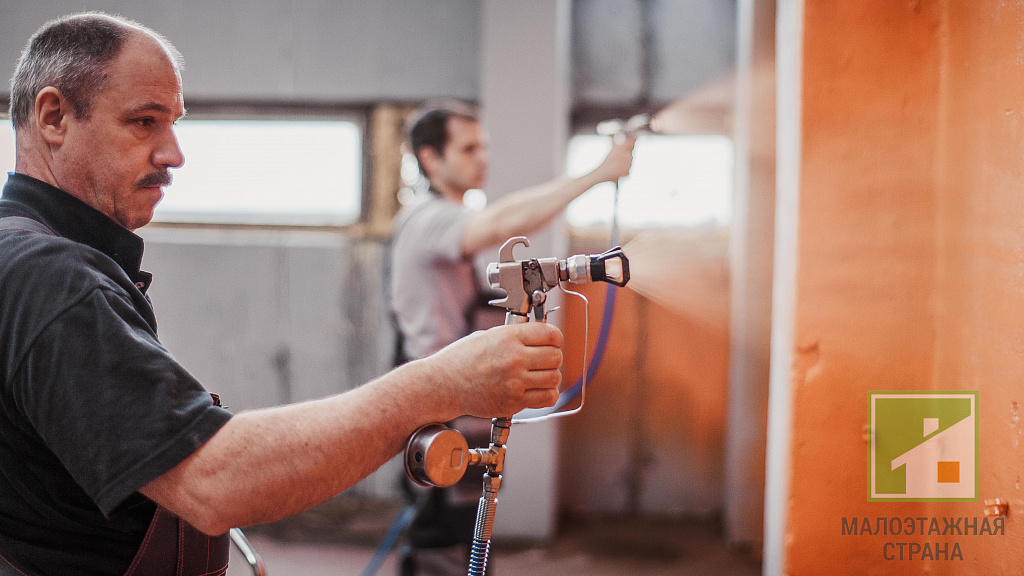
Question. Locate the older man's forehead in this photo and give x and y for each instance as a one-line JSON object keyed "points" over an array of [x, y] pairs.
{"points": [[133, 100], [145, 78]]}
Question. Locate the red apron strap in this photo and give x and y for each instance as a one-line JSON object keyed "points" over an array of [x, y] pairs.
{"points": [[172, 547]]}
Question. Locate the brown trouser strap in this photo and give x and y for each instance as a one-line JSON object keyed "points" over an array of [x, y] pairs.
{"points": [[172, 547]]}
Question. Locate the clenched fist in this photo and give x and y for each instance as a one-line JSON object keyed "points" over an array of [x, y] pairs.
{"points": [[501, 371]]}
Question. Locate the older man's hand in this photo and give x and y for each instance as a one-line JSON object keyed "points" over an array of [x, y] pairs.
{"points": [[501, 371]]}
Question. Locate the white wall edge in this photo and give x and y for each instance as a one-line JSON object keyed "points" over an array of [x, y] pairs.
{"points": [[789, 50]]}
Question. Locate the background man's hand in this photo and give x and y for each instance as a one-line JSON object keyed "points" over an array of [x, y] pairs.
{"points": [[618, 161], [500, 371]]}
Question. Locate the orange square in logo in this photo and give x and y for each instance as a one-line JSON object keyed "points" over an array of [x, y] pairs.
{"points": [[949, 472]]}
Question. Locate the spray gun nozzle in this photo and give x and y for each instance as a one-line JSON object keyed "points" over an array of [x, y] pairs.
{"points": [[611, 266], [521, 279]]}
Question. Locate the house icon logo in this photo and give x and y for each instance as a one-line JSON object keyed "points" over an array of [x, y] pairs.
{"points": [[923, 446]]}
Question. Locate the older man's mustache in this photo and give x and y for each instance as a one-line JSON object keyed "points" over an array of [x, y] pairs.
{"points": [[155, 179]]}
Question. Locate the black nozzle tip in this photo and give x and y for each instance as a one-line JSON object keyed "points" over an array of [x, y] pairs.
{"points": [[599, 267]]}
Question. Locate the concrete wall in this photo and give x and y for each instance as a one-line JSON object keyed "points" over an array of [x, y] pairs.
{"points": [[271, 317], [751, 250], [524, 92], [314, 51], [319, 328], [636, 53]]}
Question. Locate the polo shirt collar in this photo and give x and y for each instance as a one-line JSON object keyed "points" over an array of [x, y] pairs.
{"points": [[75, 220]]}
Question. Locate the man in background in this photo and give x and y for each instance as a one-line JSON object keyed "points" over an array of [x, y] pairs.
{"points": [[437, 293], [113, 458]]}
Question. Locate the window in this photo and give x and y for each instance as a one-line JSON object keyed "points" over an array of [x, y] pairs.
{"points": [[675, 181], [6, 146], [296, 172]]}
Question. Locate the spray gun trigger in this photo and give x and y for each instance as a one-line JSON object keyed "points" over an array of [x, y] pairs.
{"points": [[537, 303], [539, 297]]}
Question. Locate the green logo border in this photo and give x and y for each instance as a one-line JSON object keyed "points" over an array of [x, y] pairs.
{"points": [[977, 424]]}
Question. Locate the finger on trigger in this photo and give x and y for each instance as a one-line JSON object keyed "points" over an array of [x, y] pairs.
{"points": [[540, 334]]}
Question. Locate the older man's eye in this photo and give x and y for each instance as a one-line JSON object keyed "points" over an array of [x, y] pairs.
{"points": [[145, 122]]}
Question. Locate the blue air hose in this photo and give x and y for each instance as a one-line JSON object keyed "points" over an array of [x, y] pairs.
{"points": [[398, 525]]}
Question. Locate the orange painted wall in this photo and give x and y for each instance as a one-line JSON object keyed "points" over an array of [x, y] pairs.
{"points": [[910, 263], [980, 304]]}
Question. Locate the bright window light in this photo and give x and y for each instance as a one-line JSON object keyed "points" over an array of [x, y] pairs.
{"points": [[296, 172], [675, 181], [6, 146]]}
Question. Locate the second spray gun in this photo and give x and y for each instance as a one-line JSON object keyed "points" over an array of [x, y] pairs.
{"points": [[437, 455]]}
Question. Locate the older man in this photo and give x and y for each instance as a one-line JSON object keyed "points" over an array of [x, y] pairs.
{"points": [[113, 459]]}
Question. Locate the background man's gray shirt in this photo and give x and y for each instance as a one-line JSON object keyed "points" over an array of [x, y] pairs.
{"points": [[432, 285]]}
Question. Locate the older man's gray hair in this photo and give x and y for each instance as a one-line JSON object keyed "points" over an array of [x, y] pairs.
{"points": [[72, 54]]}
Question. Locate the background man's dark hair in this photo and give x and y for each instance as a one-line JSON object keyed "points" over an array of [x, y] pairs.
{"points": [[429, 129], [72, 54]]}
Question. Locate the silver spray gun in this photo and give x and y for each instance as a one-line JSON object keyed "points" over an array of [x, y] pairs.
{"points": [[437, 455], [618, 128], [527, 282]]}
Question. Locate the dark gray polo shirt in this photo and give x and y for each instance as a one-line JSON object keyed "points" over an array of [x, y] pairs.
{"points": [[92, 407]]}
